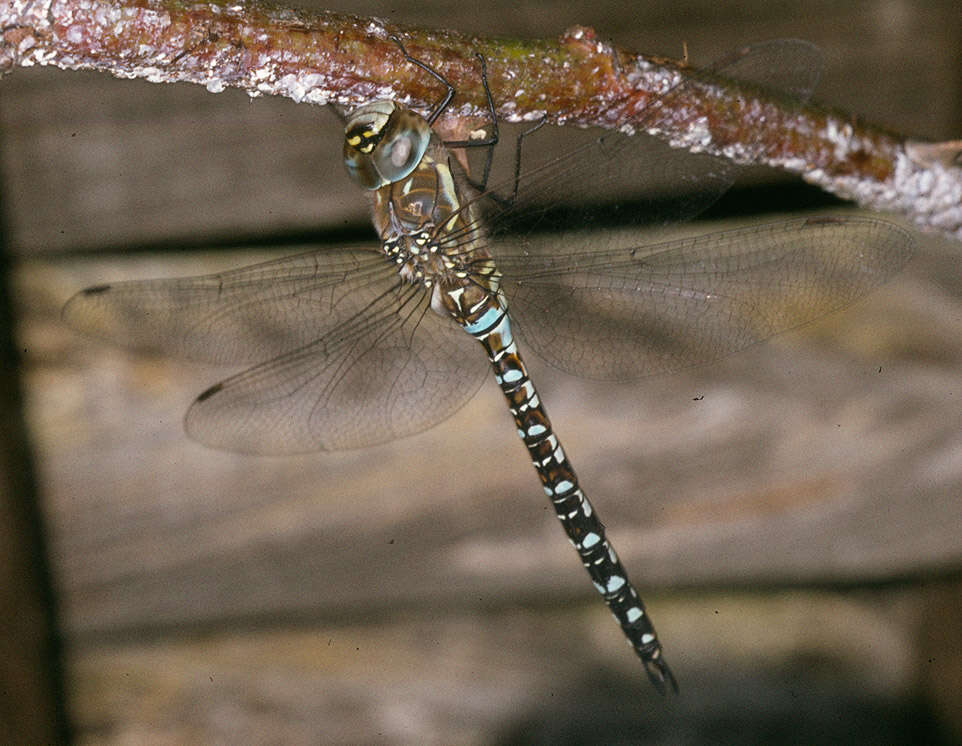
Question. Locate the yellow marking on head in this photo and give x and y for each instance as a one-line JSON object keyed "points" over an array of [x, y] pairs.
{"points": [[353, 141]]}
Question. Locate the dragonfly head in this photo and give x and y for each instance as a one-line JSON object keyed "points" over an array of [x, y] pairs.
{"points": [[383, 143]]}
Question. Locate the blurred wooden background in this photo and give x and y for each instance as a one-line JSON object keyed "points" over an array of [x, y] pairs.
{"points": [[793, 512]]}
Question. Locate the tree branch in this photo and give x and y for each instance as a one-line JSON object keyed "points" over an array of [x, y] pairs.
{"points": [[332, 58]]}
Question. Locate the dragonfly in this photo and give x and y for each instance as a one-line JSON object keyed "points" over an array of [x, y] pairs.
{"points": [[353, 347]]}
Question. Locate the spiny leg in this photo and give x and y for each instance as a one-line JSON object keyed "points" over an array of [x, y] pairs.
{"points": [[490, 141], [485, 142], [445, 100], [517, 156]]}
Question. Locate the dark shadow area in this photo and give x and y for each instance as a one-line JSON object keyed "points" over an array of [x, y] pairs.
{"points": [[802, 704], [785, 196], [32, 696]]}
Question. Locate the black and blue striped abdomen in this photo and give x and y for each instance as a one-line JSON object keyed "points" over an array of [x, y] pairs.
{"points": [[488, 322]]}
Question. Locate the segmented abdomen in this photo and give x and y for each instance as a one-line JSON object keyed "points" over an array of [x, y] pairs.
{"points": [[490, 325]]}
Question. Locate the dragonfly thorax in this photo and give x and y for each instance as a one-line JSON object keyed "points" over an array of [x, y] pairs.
{"points": [[425, 228]]}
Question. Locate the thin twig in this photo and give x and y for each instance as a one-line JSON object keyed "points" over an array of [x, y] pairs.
{"points": [[325, 58]]}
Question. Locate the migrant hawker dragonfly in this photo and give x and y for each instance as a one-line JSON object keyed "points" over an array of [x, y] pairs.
{"points": [[356, 347]]}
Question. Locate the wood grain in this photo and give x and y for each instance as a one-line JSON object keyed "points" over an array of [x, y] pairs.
{"points": [[826, 455], [416, 593]]}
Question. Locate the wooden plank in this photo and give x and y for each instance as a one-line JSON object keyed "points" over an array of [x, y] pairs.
{"points": [[153, 163], [828, 668], [940, 642], [828, 455], [415, 592]]}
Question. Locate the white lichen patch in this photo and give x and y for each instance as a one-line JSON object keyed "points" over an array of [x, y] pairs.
{"points": [[75, 34], [931, 194], [307, 87], [153, 74], [842, 136], [261, 74], [290, 85], [26, 44], [933, 190], [655, 79], [698, 135]]}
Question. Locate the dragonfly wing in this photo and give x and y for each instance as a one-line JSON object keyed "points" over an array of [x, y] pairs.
{"points": [[625, 313], [402, 371], [791, 66], [242, 316], [349, 354]]}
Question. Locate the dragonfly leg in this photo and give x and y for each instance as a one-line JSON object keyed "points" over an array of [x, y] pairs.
{"points": [[483, 142], [445, 100], [517, 156], [505, 202]]}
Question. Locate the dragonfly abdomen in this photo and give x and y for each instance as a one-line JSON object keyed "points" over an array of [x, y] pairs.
{"points": [[488, 322]]}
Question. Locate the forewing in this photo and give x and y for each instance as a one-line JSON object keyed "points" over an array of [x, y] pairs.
{"points": [[349, 354], [242, 316], [624, 313]]}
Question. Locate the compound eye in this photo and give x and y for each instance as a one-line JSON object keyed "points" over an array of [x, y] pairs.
{"points": [[383, 143], [363, 131], [399, 155]]}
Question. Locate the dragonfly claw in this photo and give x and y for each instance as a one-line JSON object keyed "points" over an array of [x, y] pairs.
{"points": [[659, 674]]}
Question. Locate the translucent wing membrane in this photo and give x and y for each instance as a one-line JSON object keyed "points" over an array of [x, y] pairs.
{"points": [[399, 372], [624, 313], [791, 67], [242, 316], [350, 355]]}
